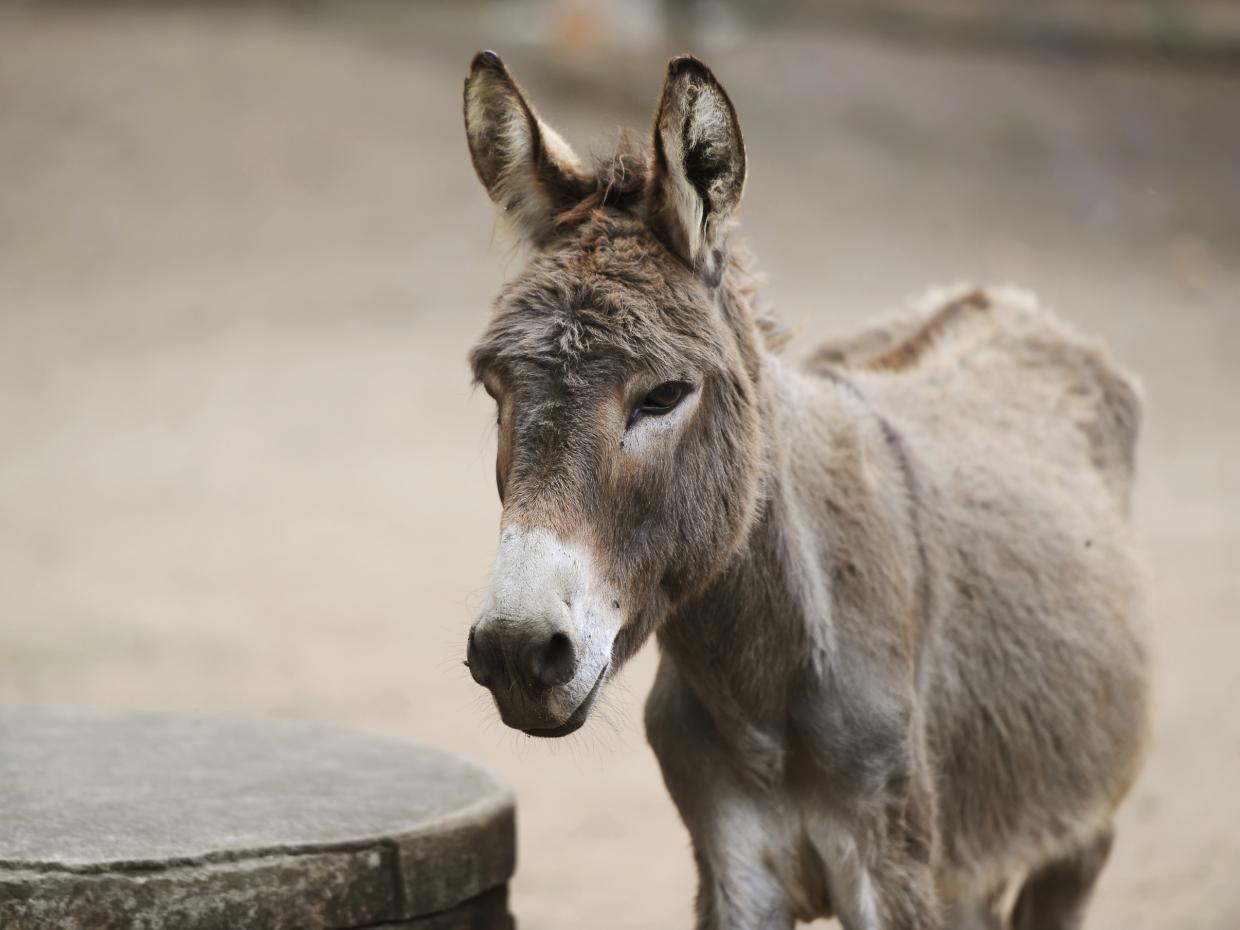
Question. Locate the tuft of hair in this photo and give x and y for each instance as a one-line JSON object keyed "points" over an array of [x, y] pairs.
{"points": [[620, 181], [617, 181]]}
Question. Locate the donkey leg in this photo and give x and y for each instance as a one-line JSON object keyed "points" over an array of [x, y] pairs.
{"points": [[731, 831], [1055, 896], [983, 914], [877, 850], [883, 890], [975, 917], [877, 837], [738, 894]]}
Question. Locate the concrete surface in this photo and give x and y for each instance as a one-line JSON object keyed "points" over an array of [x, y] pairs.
{"points": [[196, 822], [243, 255]]}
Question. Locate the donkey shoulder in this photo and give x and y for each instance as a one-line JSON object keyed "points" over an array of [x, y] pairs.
{"points": [[998, 356]]}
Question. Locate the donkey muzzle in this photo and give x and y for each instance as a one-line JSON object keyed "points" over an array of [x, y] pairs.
{"points": [[542, 642]]}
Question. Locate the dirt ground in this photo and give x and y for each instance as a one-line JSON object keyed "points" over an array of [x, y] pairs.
{"points": [[243, 255]]}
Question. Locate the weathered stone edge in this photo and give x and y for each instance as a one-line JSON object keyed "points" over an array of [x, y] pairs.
{"points": [[458, 857], [278, 892], [488, 911], [503, 798], [430, 869]]}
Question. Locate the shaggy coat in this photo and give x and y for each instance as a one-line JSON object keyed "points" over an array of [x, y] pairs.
{"points": [[893, 588]]}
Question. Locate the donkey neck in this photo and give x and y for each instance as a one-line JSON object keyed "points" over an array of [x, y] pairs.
{"points": [[834, 566], [740, 641]]}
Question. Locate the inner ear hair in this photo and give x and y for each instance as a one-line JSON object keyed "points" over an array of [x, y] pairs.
{"points": [[698, 174], [528, 170]]}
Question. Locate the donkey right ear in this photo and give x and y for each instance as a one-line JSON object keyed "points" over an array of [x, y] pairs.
{"points": [[529, 171]]}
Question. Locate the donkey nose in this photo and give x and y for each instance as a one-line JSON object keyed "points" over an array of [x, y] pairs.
{"points": [[553, 661], [540, 659]]}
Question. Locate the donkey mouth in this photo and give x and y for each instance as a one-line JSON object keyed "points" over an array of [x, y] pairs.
{"points": [[578, 717]]}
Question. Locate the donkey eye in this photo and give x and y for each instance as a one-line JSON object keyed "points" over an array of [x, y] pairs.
{"points": [[665, 396], [661, 399]]}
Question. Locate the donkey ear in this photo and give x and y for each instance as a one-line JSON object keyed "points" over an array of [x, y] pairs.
{"points": [[699, 167], [529, 171]]}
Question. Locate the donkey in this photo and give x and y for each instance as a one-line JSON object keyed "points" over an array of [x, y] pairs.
{"points": [[893, 588]]}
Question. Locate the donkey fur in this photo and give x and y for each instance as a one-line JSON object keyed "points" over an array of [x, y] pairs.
{"points": [[893, 588]]}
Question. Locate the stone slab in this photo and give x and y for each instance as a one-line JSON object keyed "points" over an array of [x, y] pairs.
{"points": [[488, 911], [197, 823]]}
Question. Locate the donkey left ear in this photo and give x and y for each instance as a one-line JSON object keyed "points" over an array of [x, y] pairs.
{"points": [[699, 167], [529, 171]]}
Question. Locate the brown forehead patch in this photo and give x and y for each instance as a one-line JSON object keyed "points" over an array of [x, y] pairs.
{"points": [[607, 294]]}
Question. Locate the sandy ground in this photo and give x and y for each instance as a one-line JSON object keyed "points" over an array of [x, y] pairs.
{"points": [[243, 255]]}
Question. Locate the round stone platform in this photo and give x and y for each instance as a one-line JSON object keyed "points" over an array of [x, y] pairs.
{"points": [[163, 822]]}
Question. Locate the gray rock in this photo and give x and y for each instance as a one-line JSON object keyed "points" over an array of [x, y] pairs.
{"points": [[195, 823], [488, 911]]}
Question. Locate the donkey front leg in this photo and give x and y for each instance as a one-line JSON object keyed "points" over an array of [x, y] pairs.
{"points": [[736, 888], [861, 771], [875, 884], [732, 834]]}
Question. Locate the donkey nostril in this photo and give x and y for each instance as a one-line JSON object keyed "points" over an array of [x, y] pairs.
{"points": [[556, 663], [473, 659]]}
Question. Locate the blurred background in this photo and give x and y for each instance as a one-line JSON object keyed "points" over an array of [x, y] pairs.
{"points": [[243, 256]]}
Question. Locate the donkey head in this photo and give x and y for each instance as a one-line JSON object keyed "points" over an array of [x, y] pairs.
{"points": [[624, 364]]}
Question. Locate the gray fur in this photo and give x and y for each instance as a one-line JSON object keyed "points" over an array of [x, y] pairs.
{"points": [[893, 589]]}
